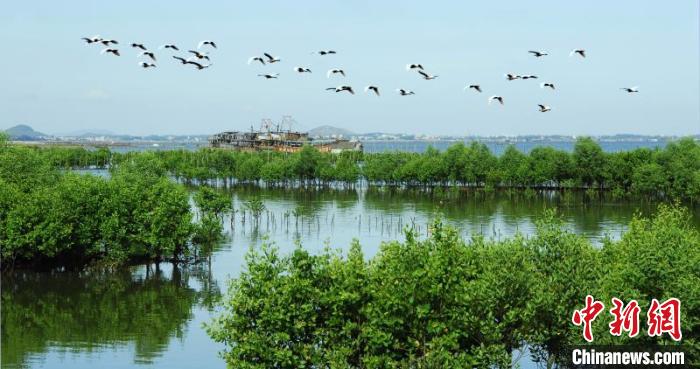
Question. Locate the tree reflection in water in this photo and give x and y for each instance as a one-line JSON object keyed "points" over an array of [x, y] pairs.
{"points": [[143, 306]]}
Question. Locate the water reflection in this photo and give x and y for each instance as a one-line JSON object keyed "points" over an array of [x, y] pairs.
{"points": [[144, 307]]}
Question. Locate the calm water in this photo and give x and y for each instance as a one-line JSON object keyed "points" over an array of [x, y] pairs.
{"points": [[152, 317]]}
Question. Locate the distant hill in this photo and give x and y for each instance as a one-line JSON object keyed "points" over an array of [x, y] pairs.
{"points": [[330, 131], [23, 132], [89, 132]]}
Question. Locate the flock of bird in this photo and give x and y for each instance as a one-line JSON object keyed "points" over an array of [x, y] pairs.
{"points": [[197, 59]]}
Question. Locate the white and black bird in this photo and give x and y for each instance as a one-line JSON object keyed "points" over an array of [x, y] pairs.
{"points": [[302, 70], [169, 46], [404, 92], [334, 72], [148, 54], [147, 65], [374, 89], [111, 51], [182, 60], [206, 42], [630, 90], [199, 55], [269, 76], [138, 46], [512, 77], [547, 84], [529, 76], [544, 108], [538, 54], [107, 42], [496, 98], [414, 67], [256, 58], [426, 76], [324, 52], [476, 88], [341, 89], [198, 65], [271, 59], [580, 52], [92, 40]]}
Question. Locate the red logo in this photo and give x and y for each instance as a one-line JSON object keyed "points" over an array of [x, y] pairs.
{"points": [[665, 318], [587, 315], [661, 318], [626, 318]]}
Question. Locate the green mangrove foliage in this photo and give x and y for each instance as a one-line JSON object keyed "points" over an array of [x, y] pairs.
{"points": [[444, 302], [52, 217], [672, 172]]}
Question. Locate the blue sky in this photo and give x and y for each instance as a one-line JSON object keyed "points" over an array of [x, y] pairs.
{"points": [[54, 82]]}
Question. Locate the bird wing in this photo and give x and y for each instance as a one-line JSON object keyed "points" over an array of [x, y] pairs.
{"points": [[342, 72], [541, 106], [425, 75], [251, 60], [331, 88], [195, 63], [269, 56], [534, 52], [212, 44], [193, 52]]}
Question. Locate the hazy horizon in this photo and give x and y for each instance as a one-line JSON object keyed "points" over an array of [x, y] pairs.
{"points": [[54, 82]]}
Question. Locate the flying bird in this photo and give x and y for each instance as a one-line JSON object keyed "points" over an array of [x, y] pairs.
{"points": [[169, 46], [426, 76], [206, 42], [107, 42], [404, 92], [302, 70], [269, 76], [512, 77], [341, 89], [111, 51], [335, 71], [199, 55], [198, 65], [92, 39], [256, 58], [630, 90], [496, 98], [182, 60], [414, 66], [139, 46], [374, 89], [324, 52], [581, 52], [537, 54], [148, 54], [529, 77], [147, 65], [271, 59], [544, 108], [477, 88], [547, 84]]}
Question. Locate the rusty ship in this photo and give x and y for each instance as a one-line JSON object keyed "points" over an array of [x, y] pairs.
{"points": [[274, 137]]}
